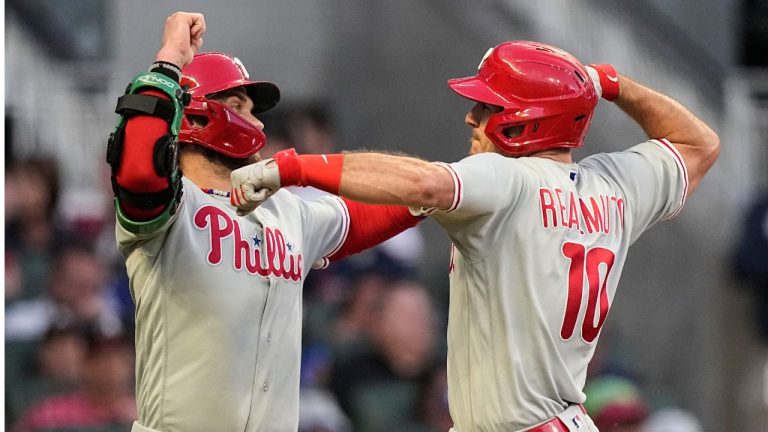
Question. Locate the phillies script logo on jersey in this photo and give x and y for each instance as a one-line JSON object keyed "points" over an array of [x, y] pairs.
{"points": [[281, 260]]}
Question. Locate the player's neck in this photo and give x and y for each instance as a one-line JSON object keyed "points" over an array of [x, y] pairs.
{"points": [[556, 154], [204, 173]]}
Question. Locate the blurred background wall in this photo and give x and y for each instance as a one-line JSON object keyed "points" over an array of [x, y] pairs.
{"points": [[682, 321]]}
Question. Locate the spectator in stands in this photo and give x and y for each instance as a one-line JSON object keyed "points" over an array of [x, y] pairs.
{"points": [[319, 412], [615, 404], [433, 414], [750, 264], [13, 278], [672, 420], [53, 366], [357, 310], [31, 231], [105, 401], [379, 388], [75, 296], [751, 259], [61, 356]]}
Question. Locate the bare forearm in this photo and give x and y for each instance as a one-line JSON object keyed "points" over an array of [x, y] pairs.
{"points": [[662, 117], [659, 115], [397, 180]]}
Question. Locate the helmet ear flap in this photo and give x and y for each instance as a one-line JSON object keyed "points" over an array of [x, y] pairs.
{"points": [[505, 131], [224, 131]]}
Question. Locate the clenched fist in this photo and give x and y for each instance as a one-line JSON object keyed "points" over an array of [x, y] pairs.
{"points": [[253, 184], [182, 38]]}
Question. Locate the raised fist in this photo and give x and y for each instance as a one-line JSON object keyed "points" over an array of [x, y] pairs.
{"points": [[182, 38]]}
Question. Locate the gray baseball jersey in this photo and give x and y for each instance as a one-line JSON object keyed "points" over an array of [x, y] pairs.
{"points": [[538, 247], [219, 309]]}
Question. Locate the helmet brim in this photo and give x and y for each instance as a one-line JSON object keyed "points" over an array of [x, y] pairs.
{"points": [[264, 95], [476, 89]]}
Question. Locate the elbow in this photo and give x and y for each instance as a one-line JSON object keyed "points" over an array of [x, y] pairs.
{"points": [[431, 190], [427, 198], [711, 144]]}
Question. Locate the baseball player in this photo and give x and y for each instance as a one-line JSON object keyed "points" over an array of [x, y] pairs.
{"points": [[218, 295], [539, 241]]}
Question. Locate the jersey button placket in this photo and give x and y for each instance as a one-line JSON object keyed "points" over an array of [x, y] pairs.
{"points": [[268, 339]]}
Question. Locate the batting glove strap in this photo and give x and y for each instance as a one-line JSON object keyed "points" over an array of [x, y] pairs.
{"points": [[606, 80]]}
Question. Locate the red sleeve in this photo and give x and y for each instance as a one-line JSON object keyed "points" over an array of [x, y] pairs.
{"points": [[137, 170], [371, 224]]}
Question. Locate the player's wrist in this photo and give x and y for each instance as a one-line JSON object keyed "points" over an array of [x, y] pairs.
{"points": [[170, 55], [288, 167], [168, 69], [320, 171], [606, 80]]}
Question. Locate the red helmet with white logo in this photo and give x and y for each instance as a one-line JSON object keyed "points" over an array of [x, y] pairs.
{"points": [[542, 89], [224, 131]]}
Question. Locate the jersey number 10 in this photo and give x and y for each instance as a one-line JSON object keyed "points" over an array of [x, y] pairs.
{"points": [[589, 262]]}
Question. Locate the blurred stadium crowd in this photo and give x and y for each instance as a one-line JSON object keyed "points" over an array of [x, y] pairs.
{"points": [[374, 330]]}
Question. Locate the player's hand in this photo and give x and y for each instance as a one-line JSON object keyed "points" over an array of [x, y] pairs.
{"points": [[182, 38], [253, 184], [605, 79]]}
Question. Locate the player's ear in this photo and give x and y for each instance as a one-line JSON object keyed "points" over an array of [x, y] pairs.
{"points": [[513, 131], [197, 121]]}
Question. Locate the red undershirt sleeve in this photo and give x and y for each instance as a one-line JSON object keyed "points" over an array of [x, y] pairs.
{"points": [[371, 224]]}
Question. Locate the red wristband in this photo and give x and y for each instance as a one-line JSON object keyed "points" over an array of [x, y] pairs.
{"points": [[320, 171], [609, 80], [289, 167]]}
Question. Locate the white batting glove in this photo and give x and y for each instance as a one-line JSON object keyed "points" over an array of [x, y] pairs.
{"points": [[605, 79], [253, 184]]}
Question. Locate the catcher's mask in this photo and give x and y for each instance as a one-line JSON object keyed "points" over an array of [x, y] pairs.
{"points": [[541, 88], [224, 130]]}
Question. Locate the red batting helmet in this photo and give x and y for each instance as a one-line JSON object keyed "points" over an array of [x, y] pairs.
{"points": [[541, 88], [225, 131]]}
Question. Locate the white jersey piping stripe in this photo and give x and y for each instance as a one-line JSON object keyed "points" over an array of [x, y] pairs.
{"points": [[456, 186], [321, 264], [345, 227], [681, 164]]}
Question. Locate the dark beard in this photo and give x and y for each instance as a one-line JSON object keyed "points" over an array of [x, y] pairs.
{"points": [[223, 164]]}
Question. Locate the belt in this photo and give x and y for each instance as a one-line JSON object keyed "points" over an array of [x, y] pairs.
{"points": [[554, 425], [557, 425]]}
